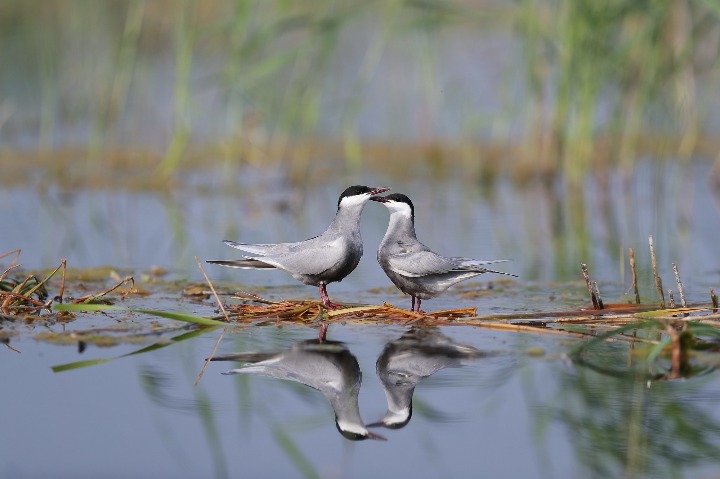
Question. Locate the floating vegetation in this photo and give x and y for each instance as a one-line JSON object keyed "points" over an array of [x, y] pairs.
{"points": [[676, 335], [23, 295], [24, 299], [664, 343], [313, 312]]}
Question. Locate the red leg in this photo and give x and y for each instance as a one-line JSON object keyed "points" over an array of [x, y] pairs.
{"points": [[323, 332], [326, 299], [412, 308], [418, 306]]}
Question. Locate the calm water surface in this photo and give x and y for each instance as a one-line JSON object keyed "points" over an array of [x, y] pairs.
{"points": [[546, 230], [507, 415], [510, 414]]}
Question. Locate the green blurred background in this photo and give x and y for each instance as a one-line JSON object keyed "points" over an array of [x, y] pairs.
{"points": [[528, 88]]}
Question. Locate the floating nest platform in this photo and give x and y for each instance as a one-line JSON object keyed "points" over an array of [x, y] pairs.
{"points": [[314, 313], [257, 311]]}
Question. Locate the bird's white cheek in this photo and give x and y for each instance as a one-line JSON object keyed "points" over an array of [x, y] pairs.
{"points": [[399, 208], [355, 200]]}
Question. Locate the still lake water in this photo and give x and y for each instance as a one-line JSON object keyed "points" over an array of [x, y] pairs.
{"points": [[511, 414]]}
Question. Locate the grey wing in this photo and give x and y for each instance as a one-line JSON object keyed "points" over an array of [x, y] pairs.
{"points": [[311, 257], [261, 249], [478, 263], [421, 263], [273, 372]]}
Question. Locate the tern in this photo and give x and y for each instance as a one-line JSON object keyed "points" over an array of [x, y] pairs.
{"points": [[320, 260], [413, 267], [404, 362], [327, 366]]}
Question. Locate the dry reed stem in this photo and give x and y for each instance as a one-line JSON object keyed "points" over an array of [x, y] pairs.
{"points": [[309, 312], [714, 299], [658, 281], [10, 295], [212, 288], [87, 298], [62, 281], [243, 296], [597, 295], [312, 311], [15, 298], [222, 335], [15, 293], [634, 275], [10, 268], [17, 252], [614, 320], [679, 285], [671, 299], [586, 275]]}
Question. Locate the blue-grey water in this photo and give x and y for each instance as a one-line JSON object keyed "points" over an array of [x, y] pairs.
{"points": [[546, 231], [525, 411], [504, 416], [510, 415]]}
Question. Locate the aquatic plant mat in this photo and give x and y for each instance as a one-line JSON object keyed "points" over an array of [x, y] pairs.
{"points": [[666, 343]]}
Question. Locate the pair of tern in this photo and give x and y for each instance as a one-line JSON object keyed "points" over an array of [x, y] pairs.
{"points": [[413, 267]]}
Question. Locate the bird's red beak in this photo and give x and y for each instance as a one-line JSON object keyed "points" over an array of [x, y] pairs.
{"points": [[377, 191]]}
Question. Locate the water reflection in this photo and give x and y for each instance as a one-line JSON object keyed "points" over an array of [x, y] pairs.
{"points": [[327, 366], [547, 229], [404, 362], [629, 426]]}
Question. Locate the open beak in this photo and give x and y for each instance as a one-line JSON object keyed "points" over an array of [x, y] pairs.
{"points": [[377, 191], [379, 199]]}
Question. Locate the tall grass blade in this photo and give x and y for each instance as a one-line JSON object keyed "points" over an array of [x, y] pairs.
{"points": [[187, 318]]}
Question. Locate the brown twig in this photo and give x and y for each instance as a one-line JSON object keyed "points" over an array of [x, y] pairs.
{"points": [[597, 295], [12, 267], [671, 299], [586, 275], [658, 281], [17, 252], [11, 348], [86, 299], [227, 318], [243, 296], [212, 288], [680, 286], [10, 295], [62, 282], [714, 299], [634, 275]]}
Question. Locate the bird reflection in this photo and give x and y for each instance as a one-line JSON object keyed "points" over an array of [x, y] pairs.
{"points": [[327, 366], [417, 354]]}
